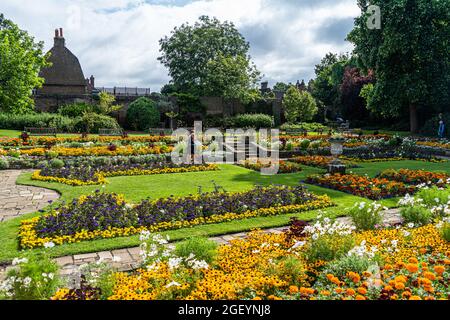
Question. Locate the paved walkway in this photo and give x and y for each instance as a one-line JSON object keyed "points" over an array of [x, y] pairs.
{"points": [[16, 200]]}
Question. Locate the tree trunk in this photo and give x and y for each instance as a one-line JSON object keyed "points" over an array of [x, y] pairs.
{"points": [[414, 124]]}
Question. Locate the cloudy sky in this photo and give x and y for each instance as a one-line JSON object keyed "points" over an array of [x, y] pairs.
{"points": [[117, 40]]}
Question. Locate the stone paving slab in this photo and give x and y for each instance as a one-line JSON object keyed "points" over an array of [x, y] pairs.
{"points": [[16, 200]]}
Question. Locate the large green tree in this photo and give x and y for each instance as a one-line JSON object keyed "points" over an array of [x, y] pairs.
{"points": [[409, 55], [299, 106], [193, 52], [21, 59], [231, 77]]}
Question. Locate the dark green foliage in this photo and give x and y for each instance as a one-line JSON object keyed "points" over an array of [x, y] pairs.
{"points": [[76, 109], [93, 122], [431, 126], [254, 121], [143, 114]]}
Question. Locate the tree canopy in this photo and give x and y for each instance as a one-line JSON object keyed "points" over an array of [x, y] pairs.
{"points": [[21, 59], [409, 56], [299, 106], [209, 58]]}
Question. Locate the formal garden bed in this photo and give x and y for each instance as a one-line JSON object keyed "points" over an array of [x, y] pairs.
{"points": [[108, 215], [325, 260]]}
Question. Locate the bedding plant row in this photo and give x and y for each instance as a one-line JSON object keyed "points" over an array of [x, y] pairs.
{"points": [[103, 215], [83, 176], [389, 184], [110, 150], [400, 263], [50, 141]]}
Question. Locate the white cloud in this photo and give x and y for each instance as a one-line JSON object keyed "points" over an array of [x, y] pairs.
{"points": [[117, 40]]}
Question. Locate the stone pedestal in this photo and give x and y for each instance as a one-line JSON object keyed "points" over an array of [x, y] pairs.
{"points": [[336, 167]]}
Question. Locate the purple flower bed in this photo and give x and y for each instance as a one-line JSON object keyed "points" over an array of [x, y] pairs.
{"points": [[87, 174], [101, 211], [97, 212]]}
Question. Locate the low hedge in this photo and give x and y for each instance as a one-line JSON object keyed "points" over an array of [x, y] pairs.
{"points": [[90, 123], [254, 121]]}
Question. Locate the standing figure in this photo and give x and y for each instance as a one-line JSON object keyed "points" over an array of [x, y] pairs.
{"points": [[441, 130]]}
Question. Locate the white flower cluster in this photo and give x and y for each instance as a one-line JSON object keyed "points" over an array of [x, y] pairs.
{"points": [[17, 261], [156, 249], [393, 246], [361, 251], [409, 200], [327, 227]]}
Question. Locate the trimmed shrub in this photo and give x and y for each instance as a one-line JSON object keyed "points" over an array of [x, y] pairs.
{"points": [[56, 163], [253, 121], [142, 115], [93, 122]]}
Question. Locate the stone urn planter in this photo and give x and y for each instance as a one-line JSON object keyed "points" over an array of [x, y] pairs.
{"points": [[337, 149]]}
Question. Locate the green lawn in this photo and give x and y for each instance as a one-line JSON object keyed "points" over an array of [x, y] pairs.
{"points": [[232, 178]]}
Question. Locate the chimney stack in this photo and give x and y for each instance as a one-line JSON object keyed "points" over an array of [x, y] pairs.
{"points": [[59, 38]]}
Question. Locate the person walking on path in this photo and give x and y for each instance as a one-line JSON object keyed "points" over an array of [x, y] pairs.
{"points": [[441, 130]]}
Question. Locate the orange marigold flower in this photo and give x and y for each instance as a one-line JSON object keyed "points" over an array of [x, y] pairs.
{"points": [[325, 293], [256, 298], [293, 289], [423, 250], [362, 290], [359, 297], [388, 288], [412, 267], [399, 286], [439, 269], [401, 278], [413, 260], [430, 276], [338, 290], [350, 292], [415, 298]]}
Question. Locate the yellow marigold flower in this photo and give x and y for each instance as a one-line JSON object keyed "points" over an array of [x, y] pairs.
{"points": [[256, 298]]}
